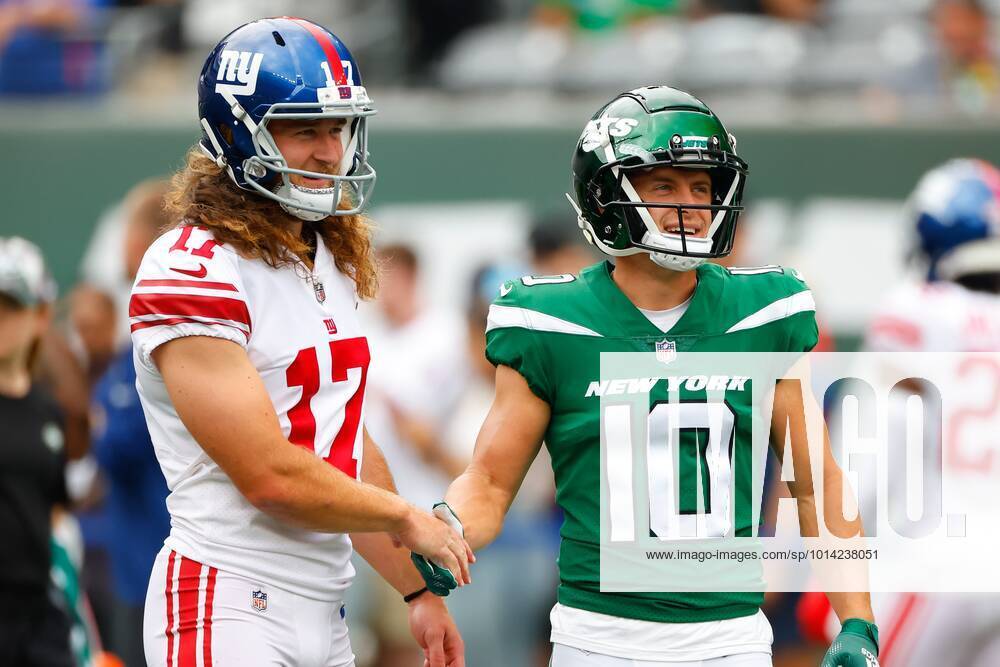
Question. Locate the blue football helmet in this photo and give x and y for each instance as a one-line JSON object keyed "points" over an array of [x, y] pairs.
{"points": [[286, 68], [956, 207]]}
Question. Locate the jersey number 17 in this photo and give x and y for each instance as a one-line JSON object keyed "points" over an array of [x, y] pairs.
{"points": [[346, 354]]}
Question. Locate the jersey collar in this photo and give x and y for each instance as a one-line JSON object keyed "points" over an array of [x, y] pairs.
{"points": [[630, 321]]}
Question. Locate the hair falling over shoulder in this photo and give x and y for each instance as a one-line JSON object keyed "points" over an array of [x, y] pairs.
{"points": [[202, 194]]}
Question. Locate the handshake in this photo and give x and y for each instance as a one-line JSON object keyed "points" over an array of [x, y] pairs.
{"points": [[443, 571]]}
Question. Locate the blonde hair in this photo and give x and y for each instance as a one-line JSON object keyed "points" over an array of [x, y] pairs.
{"points": [[202, 194]]}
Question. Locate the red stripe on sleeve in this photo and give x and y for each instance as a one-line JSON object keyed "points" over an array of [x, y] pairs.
{"points": [[898, 330], [188, 584], [170, 609], [182, 320], [166, 282], [328, 48], [188, 305], [209, 599]]}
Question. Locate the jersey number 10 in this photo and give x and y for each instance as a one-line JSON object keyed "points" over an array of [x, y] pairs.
{"points": [[688, 469]]}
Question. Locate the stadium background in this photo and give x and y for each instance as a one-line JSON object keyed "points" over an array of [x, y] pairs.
{"points": [[838, 106]]}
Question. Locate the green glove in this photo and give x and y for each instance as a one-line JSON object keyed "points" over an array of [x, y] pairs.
{"points": [[855, 646], [440, 581]]}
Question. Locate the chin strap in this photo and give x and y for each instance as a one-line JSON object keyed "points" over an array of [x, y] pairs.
{"points": [[319, 198], [674, 262], [663, 260]]}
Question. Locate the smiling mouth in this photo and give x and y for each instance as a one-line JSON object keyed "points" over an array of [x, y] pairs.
{"points": [[312, 184], [689, 230]]}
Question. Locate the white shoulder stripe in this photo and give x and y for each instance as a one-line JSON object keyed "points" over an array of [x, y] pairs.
{"points": [[779, 310], [501, 317]]}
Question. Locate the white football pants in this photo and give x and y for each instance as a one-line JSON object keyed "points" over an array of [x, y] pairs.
{"points": [[198, 616], [567, 656]]}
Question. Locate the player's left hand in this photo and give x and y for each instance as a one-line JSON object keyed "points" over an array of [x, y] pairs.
{"points": [[855, 646], [435, 631]]}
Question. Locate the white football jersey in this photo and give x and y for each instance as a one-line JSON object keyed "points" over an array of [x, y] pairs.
{"points": [[303, 336], [936, 317], [929, 629], [944, 317]]}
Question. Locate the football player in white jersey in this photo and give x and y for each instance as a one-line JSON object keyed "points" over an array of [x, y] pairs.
{"points": [[956, 211], [251, 367]]}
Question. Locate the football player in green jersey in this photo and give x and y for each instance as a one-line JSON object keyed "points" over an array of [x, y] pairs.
{"points": [[658, 185]]}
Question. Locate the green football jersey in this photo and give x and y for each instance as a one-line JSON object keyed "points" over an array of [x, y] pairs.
{"points": [[552, 330]]}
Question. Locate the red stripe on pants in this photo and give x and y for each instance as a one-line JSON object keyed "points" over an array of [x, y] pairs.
{"points": [[170, 609], [188, 583], [209, 598], [906, 605]]}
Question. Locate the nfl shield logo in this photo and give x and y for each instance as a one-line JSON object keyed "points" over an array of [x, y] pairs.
{"points": [[666, 351], [258, 600], [345, 92], [319, 291]]}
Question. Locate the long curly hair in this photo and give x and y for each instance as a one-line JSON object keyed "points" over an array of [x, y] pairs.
{"points": [[201, 193]]}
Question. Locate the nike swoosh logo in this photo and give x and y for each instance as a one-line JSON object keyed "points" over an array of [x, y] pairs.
{"points": [[505, 289], [200, 272]]}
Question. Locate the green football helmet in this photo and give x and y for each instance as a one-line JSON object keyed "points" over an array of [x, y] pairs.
{"points": [[652, 127]]}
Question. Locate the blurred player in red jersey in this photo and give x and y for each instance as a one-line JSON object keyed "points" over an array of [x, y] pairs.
{"points": [[251, 368]]}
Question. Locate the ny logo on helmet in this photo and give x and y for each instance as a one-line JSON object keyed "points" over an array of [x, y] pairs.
{"points": [[240, 67]]}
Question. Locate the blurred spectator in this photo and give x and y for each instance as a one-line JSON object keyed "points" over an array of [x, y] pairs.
{"points": [[789, 10], [557, 247], [503, 616], [166, 14], [44, 50], [432, 25], [138, 520], [104, 261], [60, 372], [33, 631], [100, 335], [92, 317], [415, 378], [67, 566], [961, 71], [601, 14], [415, 352]]}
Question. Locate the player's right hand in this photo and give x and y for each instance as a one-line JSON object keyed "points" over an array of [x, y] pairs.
{"points": [[427, 536], [855, 646]]}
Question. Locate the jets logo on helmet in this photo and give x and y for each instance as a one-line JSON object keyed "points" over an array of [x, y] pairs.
{"points": [[694, 142], [656, 126], [598, 132], [290, 69]]}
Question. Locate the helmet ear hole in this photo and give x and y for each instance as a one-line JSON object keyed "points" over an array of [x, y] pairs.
{"points": [[226, 133]]}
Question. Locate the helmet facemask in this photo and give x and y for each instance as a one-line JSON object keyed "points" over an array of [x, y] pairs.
{"points": [[678, 251], [350, 185], [650, 128]]}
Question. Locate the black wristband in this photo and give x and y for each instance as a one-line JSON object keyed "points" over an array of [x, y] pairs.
{"points": [[414, 595]]}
